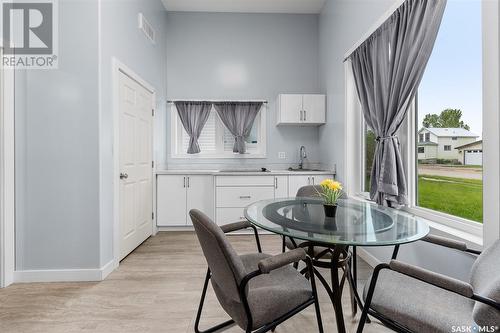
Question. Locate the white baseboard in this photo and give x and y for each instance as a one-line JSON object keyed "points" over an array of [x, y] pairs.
{"points": [[369, 258], [65, 275]]}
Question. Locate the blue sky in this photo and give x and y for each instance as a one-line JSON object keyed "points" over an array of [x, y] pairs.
{"points": [[453, 77]]}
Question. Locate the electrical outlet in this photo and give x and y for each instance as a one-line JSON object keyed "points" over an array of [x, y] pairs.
{"points": [[282, 155]]}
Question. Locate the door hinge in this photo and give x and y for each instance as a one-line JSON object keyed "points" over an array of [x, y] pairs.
{"points": [[153, 112], [153, 215], [152, 164]]}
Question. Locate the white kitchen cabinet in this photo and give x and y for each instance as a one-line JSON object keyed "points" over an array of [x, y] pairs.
{"points": [[314, 107], [242, 196], [171, 200], [200, 195], [316, 179], [301, 109], [177, 194], [297, 181], [281, 186]]}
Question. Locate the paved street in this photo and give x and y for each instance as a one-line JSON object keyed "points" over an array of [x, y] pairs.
{"points": [[450, 171]]}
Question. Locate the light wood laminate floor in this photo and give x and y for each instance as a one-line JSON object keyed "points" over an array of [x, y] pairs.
{"points": [[156, 289]]}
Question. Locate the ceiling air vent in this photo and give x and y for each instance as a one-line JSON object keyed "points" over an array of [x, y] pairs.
{"points": [[146, 28]]}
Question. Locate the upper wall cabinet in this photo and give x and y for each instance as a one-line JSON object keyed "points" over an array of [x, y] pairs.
{"points": [[297, 109]]}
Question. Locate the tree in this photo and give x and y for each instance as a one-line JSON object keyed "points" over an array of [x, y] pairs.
{"points": [[448, 118]]}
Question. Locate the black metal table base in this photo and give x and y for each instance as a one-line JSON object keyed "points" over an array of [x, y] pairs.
{"points": [[340, 258]]}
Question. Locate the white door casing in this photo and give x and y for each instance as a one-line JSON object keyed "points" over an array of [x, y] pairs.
{"points": [[7, 176], [135, 164]]}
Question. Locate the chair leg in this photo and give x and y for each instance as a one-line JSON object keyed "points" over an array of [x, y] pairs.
{"points": [[282, 244], [200, 309], [316, 300]]}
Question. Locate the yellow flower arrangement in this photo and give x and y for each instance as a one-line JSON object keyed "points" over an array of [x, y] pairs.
{"points": [[332, 191]]}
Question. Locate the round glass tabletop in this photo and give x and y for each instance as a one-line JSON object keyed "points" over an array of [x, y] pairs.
{"points": [[356, 223]]}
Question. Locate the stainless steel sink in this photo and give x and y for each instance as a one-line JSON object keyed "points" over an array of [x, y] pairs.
{"points": [[244, 170], [305, 170]]}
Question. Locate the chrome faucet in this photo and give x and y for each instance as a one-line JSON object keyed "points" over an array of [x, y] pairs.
{"points": [[303, 155]]}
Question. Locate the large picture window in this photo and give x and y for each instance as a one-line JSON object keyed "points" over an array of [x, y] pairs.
{"points": [[449, 117]]}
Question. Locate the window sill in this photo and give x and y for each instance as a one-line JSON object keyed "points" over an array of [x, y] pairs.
{"points": [[467, 231]]}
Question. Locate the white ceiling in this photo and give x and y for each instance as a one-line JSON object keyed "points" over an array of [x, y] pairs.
{"points": [[246, 6]]}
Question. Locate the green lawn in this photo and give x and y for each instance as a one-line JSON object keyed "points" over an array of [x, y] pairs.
{"points": [[455, 196]]}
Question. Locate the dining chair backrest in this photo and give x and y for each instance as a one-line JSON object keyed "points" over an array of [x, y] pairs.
{"points": [[485, 281], [225, 265], [309, 191]]}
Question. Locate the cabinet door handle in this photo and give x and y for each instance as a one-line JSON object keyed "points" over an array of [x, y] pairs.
{"points": [[301, 116], [276, 182], [184, 182], [245, 197], [188, 182], [308, 180], [314, 181], [305, 115]]}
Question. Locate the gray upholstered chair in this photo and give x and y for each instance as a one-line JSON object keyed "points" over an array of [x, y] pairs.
{"points": [[258, 291], [407, 298]]}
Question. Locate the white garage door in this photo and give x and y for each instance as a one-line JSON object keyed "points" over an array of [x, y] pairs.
{"points": [[473, 157]]}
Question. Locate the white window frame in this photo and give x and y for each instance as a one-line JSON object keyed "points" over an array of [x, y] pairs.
{"points": [[489, 231], [253, 151], [355, 164]]}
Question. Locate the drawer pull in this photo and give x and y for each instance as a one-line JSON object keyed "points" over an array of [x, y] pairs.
{"points": [[245, 196]]}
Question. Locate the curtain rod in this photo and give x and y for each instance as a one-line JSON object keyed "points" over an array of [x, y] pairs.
{"points": [[382, 19], [215, 101]]}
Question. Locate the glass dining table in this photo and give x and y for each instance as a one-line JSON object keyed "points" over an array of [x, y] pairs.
{"points": [[356, 223]]}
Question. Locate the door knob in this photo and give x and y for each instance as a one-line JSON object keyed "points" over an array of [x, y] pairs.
{"points": [[123, 175]]}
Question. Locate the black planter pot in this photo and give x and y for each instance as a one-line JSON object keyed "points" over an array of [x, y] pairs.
{"points": [[330, 210]]}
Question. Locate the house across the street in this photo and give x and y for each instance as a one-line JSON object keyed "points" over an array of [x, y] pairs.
{"points": [[447, 144], [471, 153]]}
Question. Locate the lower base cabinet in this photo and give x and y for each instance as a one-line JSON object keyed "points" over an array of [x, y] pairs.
{"points": [[222, 198], [177, 194], [297, 181]]}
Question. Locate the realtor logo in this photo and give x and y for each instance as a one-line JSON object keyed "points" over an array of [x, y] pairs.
{"points": [[29, 33]]}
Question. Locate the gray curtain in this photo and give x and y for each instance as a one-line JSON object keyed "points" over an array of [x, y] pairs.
{"points": [[387, 69], [238, 117], [194, 116]]}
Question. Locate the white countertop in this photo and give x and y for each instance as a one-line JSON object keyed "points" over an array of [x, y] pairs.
{"points": [[242, 173]]}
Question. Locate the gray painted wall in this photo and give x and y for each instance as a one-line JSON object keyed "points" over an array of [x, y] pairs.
{"points": [[57, 141], [245, 56], [120, 38], [64, 133], [341, 24]]}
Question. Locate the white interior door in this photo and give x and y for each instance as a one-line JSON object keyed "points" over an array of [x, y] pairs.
{"points": [[136, 195]]}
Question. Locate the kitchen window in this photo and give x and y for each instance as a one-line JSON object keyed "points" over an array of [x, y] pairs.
{"points": [[447, 148], [421, 150], [216, 141]]}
